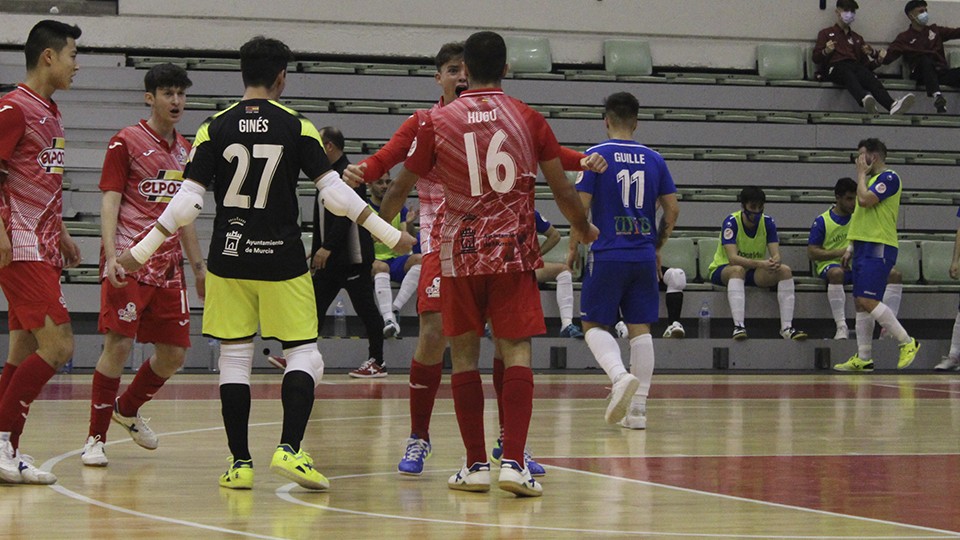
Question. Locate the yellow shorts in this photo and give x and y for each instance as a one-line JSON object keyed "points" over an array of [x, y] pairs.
{"points": [[283, 310]]}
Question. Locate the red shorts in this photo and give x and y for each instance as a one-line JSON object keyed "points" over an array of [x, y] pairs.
{"points": [[511, 302], [33, 294], [428, 288], [149, 314]]}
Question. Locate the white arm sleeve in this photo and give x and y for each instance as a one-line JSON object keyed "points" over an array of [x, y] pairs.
{"points": [[337, 197], [184, 208]]}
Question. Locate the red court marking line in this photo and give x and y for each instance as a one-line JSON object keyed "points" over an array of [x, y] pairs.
{"points": [[857, 389], [915, 490]]}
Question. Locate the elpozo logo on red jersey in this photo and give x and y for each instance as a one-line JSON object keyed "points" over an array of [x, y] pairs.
{"points": [[162, 188], [51, 159]]}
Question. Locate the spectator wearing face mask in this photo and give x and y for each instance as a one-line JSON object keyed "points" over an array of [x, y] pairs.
{"points": [[843, 57], [921, 46]]}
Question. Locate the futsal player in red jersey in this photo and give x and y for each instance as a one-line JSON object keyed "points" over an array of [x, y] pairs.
{"points": [[485, 148], [34, 243], [142, 171]]}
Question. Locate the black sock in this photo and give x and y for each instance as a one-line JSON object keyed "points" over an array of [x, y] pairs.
{"points": [[297, 397], [674, 301], [235, 408]]}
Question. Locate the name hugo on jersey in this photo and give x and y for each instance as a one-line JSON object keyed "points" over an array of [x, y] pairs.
{"points": [[475, 117], [163, 187], [51, 159]]}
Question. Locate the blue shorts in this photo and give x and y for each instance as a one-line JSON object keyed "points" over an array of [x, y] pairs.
{"points": [[847, 274], [748, 281], [396, 265], [612, 287], [872, 263]]}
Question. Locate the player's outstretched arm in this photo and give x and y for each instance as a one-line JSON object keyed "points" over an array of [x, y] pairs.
{"points": [[569, 202], [182, 210], [337, 197]]}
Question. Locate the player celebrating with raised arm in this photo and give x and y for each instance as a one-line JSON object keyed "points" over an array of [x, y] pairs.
{"points": [[622, 271], [485, 148], [251, 154], [34, 243], [142, 171]]}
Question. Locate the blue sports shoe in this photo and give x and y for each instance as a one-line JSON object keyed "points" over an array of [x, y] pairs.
{"points": [[535, 468], [418, 450], [571, 331]]}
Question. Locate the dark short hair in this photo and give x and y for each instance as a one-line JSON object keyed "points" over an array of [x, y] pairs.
{"points": [[621, 107], [874, 146], [262, 59], [448, 52], [47, 34], [166, 76], [848, 5], [844, 185], [485, 54], [333, 135], [752, 194], [912, 5]]}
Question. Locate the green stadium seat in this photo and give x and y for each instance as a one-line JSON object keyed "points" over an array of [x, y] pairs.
{"points": [[935, 260], [706, 249], [780, 62], [627, 57], [953, 58], [527, 54], [908, 262], [680, 253]]}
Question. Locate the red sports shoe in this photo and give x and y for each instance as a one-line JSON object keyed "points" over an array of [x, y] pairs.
{"points": [[369, 370]]}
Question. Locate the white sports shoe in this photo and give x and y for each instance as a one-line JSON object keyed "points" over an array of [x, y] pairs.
{"points": [[620, 395], [948, 364], [93, 454], [9, 463], [842, 333], [621, 329], [32, 475], [137, 427], [636, 417], [516, 479], [675, 330], [473, 478]]}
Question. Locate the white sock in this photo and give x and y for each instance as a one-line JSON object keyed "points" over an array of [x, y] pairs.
{"points": [[565, 297], [605, 349], [786, 298], [407, 287], [381, 287], [641, 363], [955, 340], [892, 296], [864, 335], [888, 320], [837, 299], [736, 295]]}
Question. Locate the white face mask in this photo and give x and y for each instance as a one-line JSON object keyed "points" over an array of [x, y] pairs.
{"points": [[924, 18], [847, 17]]}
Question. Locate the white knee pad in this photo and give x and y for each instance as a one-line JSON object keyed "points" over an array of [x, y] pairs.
{"points": [[235, 362], [676, 279], [305, 358]]}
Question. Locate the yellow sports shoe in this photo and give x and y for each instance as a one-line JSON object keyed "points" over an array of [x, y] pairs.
{"points": [[239, 475], [908, 352], [855, 364], [297, 467]]}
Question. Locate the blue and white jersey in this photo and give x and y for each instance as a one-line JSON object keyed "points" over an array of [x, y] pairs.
{"points": [[624, 204]]}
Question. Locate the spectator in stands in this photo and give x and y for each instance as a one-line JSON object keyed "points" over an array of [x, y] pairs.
{"points": [[559, 272], [746, 237], [952, 361], [921, 46], [872, 251], [826, 246], [390, 266], [843, 57]]}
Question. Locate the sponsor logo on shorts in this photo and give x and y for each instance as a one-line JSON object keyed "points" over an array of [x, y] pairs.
{"points": [[433, 290], [184, 323], [51, 158], [129, 313]]}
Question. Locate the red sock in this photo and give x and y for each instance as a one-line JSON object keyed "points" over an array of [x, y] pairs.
{"points": [[468, 403], [498, 386], [518, 403], [103, 393], [32, 374], [5, 377], [144, 386], [424, 383]]}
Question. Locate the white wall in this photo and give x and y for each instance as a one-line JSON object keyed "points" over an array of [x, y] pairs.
{"points": [[708, 33]]}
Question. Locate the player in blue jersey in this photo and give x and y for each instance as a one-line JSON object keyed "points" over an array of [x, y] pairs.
{"points": [[622, 268]]}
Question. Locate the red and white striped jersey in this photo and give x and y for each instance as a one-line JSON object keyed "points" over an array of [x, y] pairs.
{"points": [[485, 148], [31, 190], [147, 171]]}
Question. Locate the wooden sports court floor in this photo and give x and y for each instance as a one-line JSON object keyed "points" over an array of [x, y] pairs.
{"points": [[725, 456]]}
